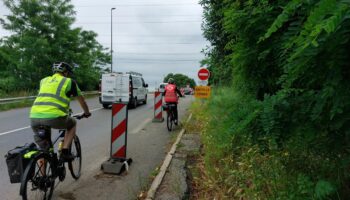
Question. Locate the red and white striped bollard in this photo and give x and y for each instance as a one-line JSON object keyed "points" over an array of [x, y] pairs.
{"points": [[158, 110], [118, 162]]}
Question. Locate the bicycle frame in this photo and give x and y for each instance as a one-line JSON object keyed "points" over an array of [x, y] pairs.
{"points": [[170, 116], [57, 166], [53, 155]]}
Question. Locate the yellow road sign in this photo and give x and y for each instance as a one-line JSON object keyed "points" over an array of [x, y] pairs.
{"points": [[202, 92]]}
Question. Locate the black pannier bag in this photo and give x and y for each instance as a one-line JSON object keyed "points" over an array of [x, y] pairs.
{"points": [[16, 163]]}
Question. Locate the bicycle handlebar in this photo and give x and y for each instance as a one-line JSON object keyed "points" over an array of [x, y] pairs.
{"points": [[80, 116]]}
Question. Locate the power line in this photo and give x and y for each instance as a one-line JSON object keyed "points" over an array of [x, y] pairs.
{"points": [[163, 39], [137, 5], [134, 53], [153, 59], [179, 43], [155, 2], [140, 16], [141, 22], [140, 35]]}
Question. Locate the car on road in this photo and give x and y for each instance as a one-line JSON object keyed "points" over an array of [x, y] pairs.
{"points": [[188, 91]]}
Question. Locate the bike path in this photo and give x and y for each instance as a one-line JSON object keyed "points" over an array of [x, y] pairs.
{"points": [[93, 132], [147, 148]]}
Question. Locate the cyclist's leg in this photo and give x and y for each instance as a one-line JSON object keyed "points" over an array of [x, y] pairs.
{"points": [[71, 129], [42, 137], [43, 141], [69, 124], [176, 113]]}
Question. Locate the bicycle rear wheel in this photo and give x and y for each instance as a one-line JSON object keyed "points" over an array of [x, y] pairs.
{"points": [[38, 180], [169, 120], [75, 165]]}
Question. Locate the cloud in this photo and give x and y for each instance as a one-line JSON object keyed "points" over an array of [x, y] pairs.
{"points": [[153, 37]]}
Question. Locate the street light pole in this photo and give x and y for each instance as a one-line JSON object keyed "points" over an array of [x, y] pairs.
{"points": [[112, 39]]}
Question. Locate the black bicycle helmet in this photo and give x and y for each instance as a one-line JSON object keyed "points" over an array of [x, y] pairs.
{"points": [[62, 67], [171, 80]]}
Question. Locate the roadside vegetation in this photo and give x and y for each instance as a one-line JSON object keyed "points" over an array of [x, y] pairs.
{"points": [[277, 125], [181, 80], [27, 102], [41, 34], [23, 93], [17, 104]]}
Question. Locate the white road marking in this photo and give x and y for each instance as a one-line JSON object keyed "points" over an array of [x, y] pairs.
{"points": [[141, 126], [19, 129]]}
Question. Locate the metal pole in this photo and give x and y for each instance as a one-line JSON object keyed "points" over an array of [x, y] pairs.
{"points": [[112, 39]]}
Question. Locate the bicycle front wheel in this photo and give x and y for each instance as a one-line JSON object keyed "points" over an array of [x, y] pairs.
{"points": [[169, 121], [75, 165], [38, 180]]}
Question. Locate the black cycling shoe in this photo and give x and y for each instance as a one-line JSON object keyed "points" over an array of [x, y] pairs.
{"points": [[67, 157]]}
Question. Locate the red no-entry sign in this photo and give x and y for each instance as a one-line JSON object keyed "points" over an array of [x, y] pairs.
{"points": [[203, 74]]}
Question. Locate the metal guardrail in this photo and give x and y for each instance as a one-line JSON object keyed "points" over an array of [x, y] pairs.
{"points": [[16, 99], [91, 92]]}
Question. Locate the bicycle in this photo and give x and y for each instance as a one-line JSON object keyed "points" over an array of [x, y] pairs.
{"points": [[38, 181], [170, 119]]}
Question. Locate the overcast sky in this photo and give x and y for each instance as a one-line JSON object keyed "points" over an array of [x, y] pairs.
{"points": [[153, 37]]}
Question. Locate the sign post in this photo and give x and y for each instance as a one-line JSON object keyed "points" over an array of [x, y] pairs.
{"points": [[202, 91], [203, 82]]}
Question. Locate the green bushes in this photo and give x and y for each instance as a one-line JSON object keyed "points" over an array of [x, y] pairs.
{"points": [[248, 154], [281, 130], [41, 34]]}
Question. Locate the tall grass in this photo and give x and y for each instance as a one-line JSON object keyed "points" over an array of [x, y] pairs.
{"points": [[245, 162]]}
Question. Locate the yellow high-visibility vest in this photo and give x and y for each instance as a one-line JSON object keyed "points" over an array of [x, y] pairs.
{"points": [[52, 100]]}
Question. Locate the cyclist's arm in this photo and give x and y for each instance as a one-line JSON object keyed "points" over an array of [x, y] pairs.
{"points": [[74, 91], [83, 105], [178, 92]]}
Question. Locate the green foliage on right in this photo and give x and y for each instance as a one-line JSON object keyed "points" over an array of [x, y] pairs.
{"points": [[280, 128], [180, 80]]}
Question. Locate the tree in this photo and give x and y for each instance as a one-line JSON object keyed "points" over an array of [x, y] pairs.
{"points": [[42, 34], [290, 69], [7, 81], [180, 80], [217, 60]]}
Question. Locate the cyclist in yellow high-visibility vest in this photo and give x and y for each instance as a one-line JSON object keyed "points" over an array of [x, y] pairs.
{"points": [[51, 107]]}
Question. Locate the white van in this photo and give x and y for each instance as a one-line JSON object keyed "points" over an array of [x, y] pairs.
{"points": [[123, 87], [162, 87]]}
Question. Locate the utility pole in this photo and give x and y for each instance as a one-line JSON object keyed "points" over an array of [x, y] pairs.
{"points": [[112, 39]]}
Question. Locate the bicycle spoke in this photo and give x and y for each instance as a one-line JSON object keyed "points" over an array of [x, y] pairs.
{"points": [[38, 182]]}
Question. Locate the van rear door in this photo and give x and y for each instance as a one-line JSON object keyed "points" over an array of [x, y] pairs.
{"points": [[108, 88], [122, 89]]}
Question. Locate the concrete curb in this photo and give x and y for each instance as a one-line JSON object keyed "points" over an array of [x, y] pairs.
{"points": [[157, 181]]}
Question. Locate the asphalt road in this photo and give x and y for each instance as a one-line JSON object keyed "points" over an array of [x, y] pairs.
{"points": [[147, 145]]}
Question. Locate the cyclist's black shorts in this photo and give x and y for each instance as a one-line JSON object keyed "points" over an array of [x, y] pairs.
{"points": [[44, 142]]}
